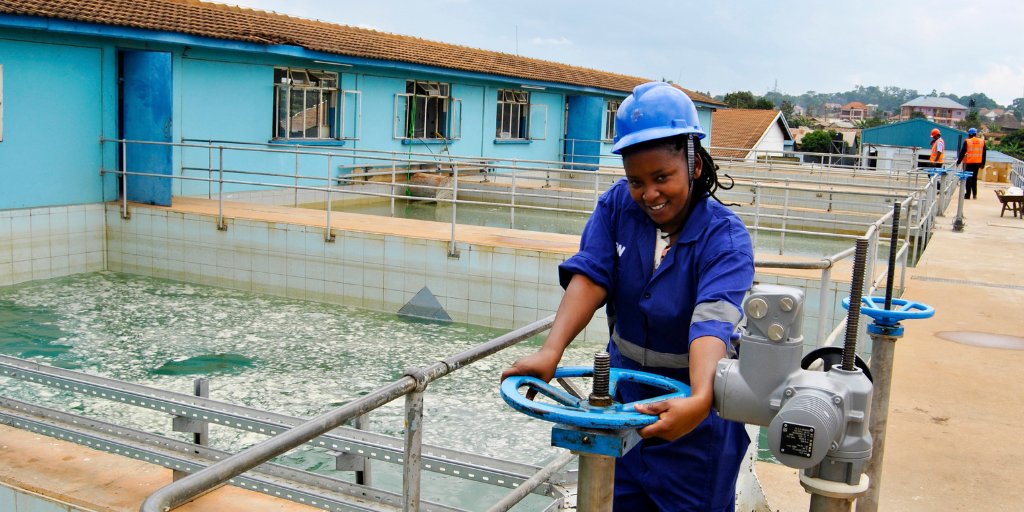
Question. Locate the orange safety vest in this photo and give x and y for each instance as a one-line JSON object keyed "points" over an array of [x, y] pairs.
{"points": [[975, 150], [938, 150]]}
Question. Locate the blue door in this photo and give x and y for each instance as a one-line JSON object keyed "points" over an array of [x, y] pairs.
{"points": [[583, 132], [146, 116]]}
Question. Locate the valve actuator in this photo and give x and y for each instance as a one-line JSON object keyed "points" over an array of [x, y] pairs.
{"points": [[817, 421]]}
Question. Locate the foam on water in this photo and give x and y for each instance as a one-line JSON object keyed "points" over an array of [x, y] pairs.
{"points": [[289, 356]]}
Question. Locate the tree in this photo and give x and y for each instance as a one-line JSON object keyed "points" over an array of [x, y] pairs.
{"points": [[1012, 144], [818, 141], [917, 115], [747, 99], [798, 121], [971, 121], [871, 122], [787, 109]]}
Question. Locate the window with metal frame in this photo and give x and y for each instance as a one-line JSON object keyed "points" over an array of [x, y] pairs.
{"points": [[309, 104], [513, 117], [609, 119], [427, 111]]}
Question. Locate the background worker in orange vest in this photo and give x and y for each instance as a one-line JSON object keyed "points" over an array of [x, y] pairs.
{"points": [[938, 148], [972, 154]]}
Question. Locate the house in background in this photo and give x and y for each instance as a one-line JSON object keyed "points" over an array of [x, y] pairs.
{"points": [[854, 111], [940, 110], [173, 71], [749, 133]]}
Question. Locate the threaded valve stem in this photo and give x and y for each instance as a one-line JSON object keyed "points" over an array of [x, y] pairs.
{"points": [[600, 397]]}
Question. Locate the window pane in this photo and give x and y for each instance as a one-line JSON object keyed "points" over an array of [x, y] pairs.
{"points": [[297, 110], [281, 116], [312, 117]]}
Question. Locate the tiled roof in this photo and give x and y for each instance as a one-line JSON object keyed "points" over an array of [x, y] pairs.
{"points": [[854, 104], [934, 102], [740, 129], [253, 26]]}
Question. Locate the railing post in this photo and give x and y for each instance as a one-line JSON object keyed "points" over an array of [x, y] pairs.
{"points": [[328, 235], [295, 202], [871, 256], [757, 211], [453, 250], [512, 211], [393, 171], [221, 225], [124, 180], [785, 215], [209, 169], [413, 451], [200, 429], [823, 294]]}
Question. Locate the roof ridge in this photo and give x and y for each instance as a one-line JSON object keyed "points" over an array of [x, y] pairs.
{"points": [[236, 8], [226, 21]]}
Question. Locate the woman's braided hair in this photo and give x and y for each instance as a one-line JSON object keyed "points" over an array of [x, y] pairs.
{"points": [[707, 183]]}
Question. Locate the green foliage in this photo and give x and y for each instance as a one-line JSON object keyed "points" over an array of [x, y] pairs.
{"points": [[798, 121], [1017, 106], [971, 121], [871, 122], [887, 98], [980, 100], [818, 141], [918, 115], [747, 99], [1012, 144], [787, 108]]}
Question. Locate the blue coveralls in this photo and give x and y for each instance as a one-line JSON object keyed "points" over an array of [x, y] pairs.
{"points": [[654, 315]]}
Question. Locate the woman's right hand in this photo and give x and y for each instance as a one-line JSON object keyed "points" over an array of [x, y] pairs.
{"points": [[540, 364]]}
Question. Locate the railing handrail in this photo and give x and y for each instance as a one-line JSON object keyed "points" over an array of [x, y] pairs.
{"points": [[417, 379]]}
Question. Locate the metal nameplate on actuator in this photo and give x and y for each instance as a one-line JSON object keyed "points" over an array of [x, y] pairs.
{"points": [[796, 440]]}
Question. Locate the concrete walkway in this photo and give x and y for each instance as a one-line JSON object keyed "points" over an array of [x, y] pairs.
{"points": [[955, 438]]}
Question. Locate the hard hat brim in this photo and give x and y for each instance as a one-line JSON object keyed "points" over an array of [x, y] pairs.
{"points": [[652, 134]]}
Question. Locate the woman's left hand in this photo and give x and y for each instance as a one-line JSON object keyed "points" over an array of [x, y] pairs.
{"points": [[676, 417]]}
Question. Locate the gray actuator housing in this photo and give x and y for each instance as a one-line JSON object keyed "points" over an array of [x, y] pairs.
{"points": [[810, 415]]}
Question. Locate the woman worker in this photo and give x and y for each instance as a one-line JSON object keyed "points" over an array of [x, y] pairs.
{"points": [[671, 265]]}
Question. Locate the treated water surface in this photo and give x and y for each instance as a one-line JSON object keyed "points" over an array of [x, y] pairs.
{"points": [[289, 356]]}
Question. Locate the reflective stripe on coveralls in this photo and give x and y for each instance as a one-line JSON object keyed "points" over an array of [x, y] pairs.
{"points": [[718, 310]]}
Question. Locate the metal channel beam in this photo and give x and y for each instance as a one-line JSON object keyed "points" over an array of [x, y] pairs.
{"points": [[367, 444], [269, 478]]}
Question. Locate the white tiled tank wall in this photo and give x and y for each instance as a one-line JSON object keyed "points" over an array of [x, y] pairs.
{"points": [[490, 286], [41, 243]]}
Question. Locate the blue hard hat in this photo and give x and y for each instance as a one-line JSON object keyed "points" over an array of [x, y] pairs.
{"points": [[655, 110], [972, 131]]}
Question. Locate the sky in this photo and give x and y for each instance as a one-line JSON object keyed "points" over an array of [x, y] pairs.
{"points": [[957, 47]]}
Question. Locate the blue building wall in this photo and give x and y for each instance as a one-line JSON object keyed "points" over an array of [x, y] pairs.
{"points": [[61, 92], [57, 104]]}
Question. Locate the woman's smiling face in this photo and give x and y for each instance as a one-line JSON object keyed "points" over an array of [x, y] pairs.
{"points": [[658, 183]]}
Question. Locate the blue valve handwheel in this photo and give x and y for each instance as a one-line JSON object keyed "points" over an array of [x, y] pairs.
{"points": [[570, 410], [902, 309]]}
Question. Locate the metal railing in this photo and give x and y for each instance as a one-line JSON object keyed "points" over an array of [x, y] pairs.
{"points": [[287, 432], [511, 183], [411, 386]]}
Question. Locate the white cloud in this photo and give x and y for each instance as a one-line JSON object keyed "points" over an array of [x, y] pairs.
{"points": [[1001, 82], [546, 41]]}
